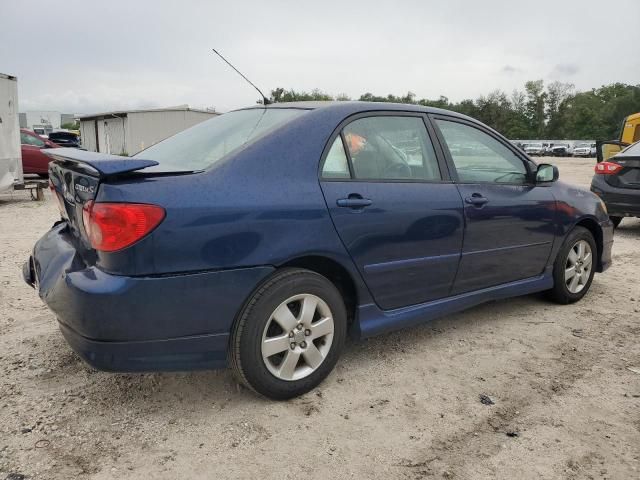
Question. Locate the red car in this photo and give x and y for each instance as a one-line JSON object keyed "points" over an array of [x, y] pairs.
{"points": [[33, 160]]}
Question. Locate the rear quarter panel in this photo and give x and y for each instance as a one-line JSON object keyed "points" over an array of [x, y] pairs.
{"points": [[262, 206]]}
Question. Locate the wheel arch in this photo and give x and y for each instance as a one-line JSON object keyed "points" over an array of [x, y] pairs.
{"points": [[336, 273], [594, 227]]}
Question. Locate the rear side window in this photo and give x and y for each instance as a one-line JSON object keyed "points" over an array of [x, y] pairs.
{"points": [[336, 164], [478, 157], [203, 145], [391, 148]]}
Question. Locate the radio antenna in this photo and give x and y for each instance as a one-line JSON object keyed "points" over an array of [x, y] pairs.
{"points": [[265, 100]]}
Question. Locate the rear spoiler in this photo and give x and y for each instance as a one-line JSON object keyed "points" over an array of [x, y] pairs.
{"points": [[96, 164]]}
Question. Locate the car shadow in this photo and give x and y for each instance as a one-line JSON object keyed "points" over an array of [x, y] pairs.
{"points": [[629, 226]]}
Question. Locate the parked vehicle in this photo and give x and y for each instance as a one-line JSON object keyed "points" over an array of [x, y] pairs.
{"points": [[65, 139], [617, 183], [33, 158], [534, 149], [629, 133], [562, 150], [260, 238], [584, 150], [42, 131], [10, 164]]}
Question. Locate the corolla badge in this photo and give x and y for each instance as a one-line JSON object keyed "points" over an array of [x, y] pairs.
{"points": [[84, 188]]}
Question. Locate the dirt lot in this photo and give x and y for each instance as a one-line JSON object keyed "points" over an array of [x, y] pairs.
{"points": [[404, 405]]}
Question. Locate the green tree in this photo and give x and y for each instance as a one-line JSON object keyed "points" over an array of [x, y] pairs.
{"points": [[280, 95], [555, 112], [535, 107], [557, 95]]}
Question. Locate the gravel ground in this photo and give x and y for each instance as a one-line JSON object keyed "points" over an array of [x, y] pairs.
{"points": [[565, 382]]}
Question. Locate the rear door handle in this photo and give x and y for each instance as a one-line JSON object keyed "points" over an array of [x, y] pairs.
{"points": [[354, 201], [477, 200]]}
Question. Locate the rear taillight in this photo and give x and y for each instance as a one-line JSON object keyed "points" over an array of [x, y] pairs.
{"points": [[114, 226], [608, 168]]}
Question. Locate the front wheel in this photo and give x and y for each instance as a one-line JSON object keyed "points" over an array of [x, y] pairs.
{"points": [[574, 267], [289, 335]]}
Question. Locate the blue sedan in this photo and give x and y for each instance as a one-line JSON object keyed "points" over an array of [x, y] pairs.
{"points": [[260, 239]]}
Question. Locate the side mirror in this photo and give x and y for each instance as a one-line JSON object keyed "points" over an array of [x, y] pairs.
{"points": [[547, 173]]}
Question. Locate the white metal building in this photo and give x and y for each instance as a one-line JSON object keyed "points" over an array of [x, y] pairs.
{"points": [[10, 157], [128, 132], [41, 122]]}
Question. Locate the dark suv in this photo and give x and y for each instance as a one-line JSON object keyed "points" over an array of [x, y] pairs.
{"points": [[617, 183]]}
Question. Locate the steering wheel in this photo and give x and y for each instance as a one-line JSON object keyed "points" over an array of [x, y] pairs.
{"points": [[397, 170]]}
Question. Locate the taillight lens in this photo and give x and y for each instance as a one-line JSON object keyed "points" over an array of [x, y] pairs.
{"points": [[608, 168], [114, 226]]}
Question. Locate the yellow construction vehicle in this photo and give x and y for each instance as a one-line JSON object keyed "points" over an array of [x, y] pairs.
{"points": [[630, 133]]}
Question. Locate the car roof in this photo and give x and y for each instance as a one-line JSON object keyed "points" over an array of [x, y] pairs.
{"points": [[352, 107]]}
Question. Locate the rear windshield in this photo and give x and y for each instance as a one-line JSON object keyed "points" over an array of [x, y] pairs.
{"points": [[632, 150], [202, 145]]}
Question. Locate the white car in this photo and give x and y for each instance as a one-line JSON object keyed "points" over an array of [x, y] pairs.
{"points": [[562, 150], [534, 149], [584, 150]]}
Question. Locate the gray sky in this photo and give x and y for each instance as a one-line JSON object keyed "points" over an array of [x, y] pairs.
{"points": [[86, 56]]}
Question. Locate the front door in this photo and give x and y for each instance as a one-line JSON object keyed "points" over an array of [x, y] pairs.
{"points": [[394, 208], [510, 221]]}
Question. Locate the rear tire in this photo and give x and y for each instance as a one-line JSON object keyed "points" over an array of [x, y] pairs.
{"points": [[289, 334], [616, 221], [574, 267]]}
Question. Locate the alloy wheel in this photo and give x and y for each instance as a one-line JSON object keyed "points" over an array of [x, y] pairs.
{"points": [[297, 337], [578, 266]]}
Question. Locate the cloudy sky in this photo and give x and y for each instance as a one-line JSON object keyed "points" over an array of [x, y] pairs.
{"points": [[84, 56]]}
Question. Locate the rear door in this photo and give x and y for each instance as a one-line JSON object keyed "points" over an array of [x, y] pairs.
{"points": [[510, 221], [394, 207]]}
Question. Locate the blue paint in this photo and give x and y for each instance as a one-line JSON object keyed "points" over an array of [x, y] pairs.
{"points": [[103, 163], [418, 251]]}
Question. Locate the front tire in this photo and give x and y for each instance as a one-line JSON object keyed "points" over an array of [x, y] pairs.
{"points": [[574, 267], [289, 335]]}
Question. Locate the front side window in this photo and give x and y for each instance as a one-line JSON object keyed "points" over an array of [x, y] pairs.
{"points": [[26, 139], [478, 157], [206, 143], [391, 148]]}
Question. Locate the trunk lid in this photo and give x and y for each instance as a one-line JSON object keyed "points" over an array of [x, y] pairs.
{"points": [[629, 176], [75, 177]]}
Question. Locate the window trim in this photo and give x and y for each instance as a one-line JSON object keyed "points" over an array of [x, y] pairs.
{"points": [[528, 164], [347, 157], [430, 133]]}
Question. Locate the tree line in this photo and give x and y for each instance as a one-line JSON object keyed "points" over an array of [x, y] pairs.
{"points": [[553, 111]]}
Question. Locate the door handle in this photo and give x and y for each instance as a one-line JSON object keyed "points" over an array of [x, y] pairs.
{"points": [[476, 200], [354, 201]]}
